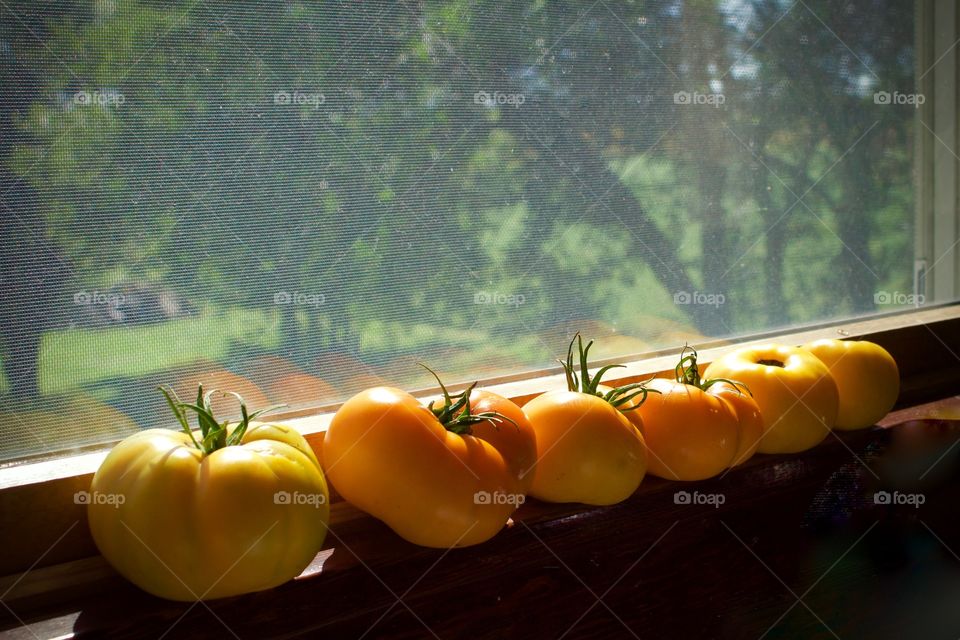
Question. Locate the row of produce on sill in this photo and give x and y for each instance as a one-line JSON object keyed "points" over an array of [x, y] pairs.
{"points": [[231, 508]]}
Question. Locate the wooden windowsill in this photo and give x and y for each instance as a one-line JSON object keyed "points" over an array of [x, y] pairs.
{"points": [[535, 577]]}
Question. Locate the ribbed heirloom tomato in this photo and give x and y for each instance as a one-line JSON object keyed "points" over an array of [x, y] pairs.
{"points": [[199, 515], [447, 476], [693, 433], [587, 450], [797, 396], [748, 417], [866, 376]]}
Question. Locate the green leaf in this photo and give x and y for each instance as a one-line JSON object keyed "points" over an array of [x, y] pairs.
{"points": [[176, 406]]}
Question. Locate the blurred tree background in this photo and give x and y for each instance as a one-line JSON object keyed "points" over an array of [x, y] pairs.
{"points": [[296, 200]]}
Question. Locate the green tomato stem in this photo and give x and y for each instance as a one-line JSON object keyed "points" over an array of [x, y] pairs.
{"points": [[456, 416], [590, 385], [687, 372], [213, 434]]}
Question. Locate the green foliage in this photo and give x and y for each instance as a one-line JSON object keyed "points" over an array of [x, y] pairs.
{"points": [[392, 192]]}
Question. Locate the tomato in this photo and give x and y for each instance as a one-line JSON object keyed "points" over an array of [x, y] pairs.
{"points": [[748, 416], [209, 514], [866, 376], [697, 427], [439, 477], [587, 450], [691, 434], [515, 441], [795, 392], [627, 408]]}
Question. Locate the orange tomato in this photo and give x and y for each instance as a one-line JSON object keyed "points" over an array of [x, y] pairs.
{"points": [[748, 417], [691, 434], [587, 451], [516, 440], [435, 481]]}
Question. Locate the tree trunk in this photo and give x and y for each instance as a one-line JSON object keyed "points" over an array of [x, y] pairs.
{"points": [[715, 253]]}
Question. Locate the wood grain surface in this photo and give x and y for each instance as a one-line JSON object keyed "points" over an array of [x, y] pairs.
{"points": [[799, 548]]}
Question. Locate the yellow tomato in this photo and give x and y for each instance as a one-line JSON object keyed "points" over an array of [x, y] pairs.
{"points": [[797, 396], [866, 376], [587, 451], [394, 458], [185, 524], [691, 434], [748, 416]]}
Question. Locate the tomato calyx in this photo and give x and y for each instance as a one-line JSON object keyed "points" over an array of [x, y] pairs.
{"points": [[687, 372], [213, 434], [456, 415], [584, 383]]}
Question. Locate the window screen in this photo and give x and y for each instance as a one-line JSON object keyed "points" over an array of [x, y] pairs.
{"points": [[298, 200]]}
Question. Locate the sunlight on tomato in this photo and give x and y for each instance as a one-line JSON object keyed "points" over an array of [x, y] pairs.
{"points": [[747, 412], [587, 449], [794, 390], [691, 434], [867, 379], [438, 479], [209, 514]]}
